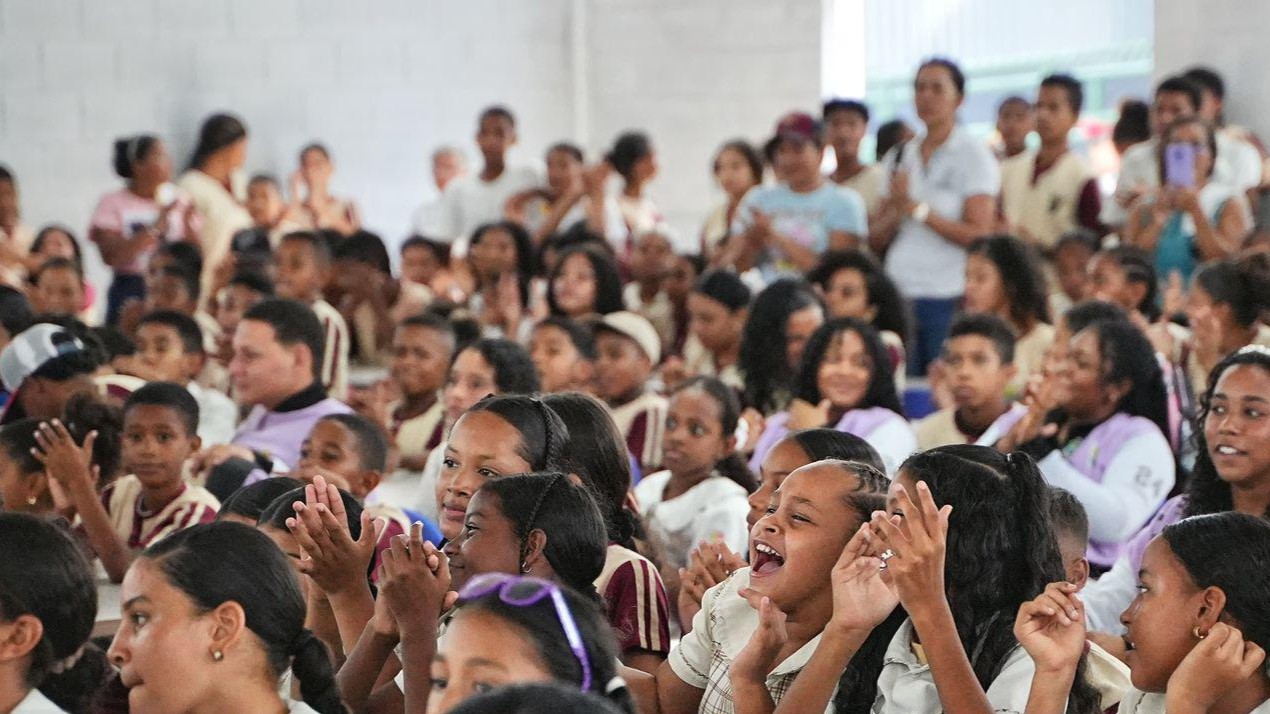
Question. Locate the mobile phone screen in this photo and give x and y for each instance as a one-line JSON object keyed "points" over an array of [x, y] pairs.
{"points": [[1179, 165]]}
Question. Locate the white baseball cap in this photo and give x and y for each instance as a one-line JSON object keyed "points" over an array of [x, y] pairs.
{"points": [[31, 349], [636, 327]]}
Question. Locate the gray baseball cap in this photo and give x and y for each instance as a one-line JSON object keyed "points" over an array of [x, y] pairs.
{"points": [[31, 349]]}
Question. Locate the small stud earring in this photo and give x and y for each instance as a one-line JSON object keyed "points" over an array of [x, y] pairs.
{"points": [[524, 568], [31, 501], [217, 655], [1198, 635]]}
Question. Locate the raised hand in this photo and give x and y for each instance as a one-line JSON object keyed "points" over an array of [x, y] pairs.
{"points": [[414, 581], [1051, 628], [804, 415], [712, 563], [760, 654], [861, 598], [65, 462], [335, 562], [1220, 662], [917, 542]]}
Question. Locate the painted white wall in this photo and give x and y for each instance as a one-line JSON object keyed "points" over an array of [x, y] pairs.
{"points": [[1227, 35], [380, 83], [694, 75], [383, 83]]}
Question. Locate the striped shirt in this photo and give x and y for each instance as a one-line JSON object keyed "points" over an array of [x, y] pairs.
{"points": [[139, 528], [418, 435], [634, 601], [643, 422], [335, 354]]}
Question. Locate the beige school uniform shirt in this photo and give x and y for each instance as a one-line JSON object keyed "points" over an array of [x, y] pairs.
{"points": [[335, 356], [223, 215], [868, 183], [1047, 208], [719, 631]]}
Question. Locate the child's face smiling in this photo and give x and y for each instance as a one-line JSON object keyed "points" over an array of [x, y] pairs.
{"points": [[59, 291], [801, 536], [845, 371], [779, 463], [482, 446], [420, 359], [487, 543], [156, 445], [299, 275]]}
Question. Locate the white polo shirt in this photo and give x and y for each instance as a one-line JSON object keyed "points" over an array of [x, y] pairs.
{"points": [[922, 263]]}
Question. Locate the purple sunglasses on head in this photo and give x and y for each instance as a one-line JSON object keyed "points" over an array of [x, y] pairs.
{"points": [[519, 591]]}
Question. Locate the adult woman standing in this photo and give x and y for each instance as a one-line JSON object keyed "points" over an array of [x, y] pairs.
{"points": [[216, 187], [938, 201], [128, 223]]}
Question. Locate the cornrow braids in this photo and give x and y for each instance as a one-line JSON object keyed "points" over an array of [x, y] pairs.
{"points": [[533, 513]]}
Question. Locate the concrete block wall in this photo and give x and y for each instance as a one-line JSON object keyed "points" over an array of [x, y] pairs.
{"points": [[694, 75], [380, 83], [384, 83]]}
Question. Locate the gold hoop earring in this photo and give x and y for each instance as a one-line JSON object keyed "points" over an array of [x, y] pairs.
{"points": [[1198, 635]]}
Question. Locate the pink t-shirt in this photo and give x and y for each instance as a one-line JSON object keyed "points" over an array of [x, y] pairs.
{"points": [[122, 211]]}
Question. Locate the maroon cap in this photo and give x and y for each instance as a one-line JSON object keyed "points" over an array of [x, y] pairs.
{"points": [[798, 125]]}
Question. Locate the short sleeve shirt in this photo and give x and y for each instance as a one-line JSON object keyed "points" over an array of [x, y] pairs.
{"points": [[922, 263], [719, 631], [806, 218]]}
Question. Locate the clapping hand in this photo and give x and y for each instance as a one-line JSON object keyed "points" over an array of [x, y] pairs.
{"points": [[916, 543], [414, 583], [335, 562]]}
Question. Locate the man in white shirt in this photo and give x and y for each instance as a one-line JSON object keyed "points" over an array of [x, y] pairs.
{"points": [[1176, 98], [448, 164], [472, 201]]}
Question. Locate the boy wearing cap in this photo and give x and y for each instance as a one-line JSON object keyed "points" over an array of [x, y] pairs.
{"points": [[785, 228], [627, 349], [42, 368]]}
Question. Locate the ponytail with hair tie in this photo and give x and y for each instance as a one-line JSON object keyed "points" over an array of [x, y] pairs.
{"points": [[313, 668]]}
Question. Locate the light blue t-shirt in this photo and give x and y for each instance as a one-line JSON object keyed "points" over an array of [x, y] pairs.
{"points": [[806, 218]]}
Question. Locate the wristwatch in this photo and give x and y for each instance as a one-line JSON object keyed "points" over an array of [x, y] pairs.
{"points": [[920, 212]]}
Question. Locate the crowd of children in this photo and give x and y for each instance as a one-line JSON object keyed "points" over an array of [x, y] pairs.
{"points": [[944, 432]]}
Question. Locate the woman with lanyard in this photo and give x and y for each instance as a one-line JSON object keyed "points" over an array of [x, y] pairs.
{"points": [[940, 199]]}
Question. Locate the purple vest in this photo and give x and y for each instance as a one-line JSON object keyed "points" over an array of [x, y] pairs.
{"points": [[279, 434], [1092, 457], [860, 422]]}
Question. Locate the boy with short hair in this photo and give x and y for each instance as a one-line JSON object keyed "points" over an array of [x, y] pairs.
{"points": [[1104, 672], [978, 364], [846, 124], [1051, 190], [303, 268], [1015, 121], [627, 349], [472, 201], [154, 500], [170, 349], [422, 349], [58, 288]]}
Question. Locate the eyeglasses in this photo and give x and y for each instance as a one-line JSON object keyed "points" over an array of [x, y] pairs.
{"points": [[519, 591]]}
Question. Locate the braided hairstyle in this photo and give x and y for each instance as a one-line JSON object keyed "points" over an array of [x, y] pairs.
{"points": [[566, 514], [543, 435], [224, 562]]}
